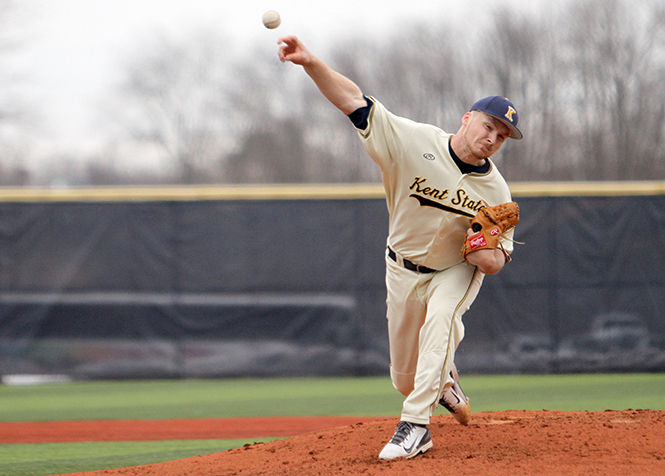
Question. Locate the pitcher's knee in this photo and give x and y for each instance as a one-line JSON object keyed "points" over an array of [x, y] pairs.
{"points": [[403, 383]]}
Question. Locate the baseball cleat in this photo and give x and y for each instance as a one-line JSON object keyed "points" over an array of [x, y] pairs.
{"points": [[455, 401], [408, 441]]}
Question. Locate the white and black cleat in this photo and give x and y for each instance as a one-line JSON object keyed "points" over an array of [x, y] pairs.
{"points": [[455, 401], [408, 441]]}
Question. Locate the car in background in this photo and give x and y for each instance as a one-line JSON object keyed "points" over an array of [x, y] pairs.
{"points": [[615, 341], [620, 331], [523, 353]]}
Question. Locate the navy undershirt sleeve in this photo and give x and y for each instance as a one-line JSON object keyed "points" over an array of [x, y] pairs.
{"points": [[360, 116]]}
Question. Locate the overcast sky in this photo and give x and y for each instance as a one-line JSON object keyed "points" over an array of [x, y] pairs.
{"points": [[73, 46]]}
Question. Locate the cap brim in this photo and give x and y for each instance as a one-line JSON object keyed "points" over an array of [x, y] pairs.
{"points": [[515, 133]]}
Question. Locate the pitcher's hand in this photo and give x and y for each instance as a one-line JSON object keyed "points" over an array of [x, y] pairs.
{"points": [[292, 49]]}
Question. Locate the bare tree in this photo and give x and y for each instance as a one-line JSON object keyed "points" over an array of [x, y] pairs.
{"points": [[519, 59], [170, 105], [586, 77], [272, 113], [616, 68], [211, 116], [415, 73], [17, 114]]}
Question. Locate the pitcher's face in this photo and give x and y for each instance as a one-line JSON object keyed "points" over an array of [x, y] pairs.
{"points": [[483, 135]]}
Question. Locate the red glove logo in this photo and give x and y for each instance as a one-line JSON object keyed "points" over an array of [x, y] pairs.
{"points": [[477, 241]]}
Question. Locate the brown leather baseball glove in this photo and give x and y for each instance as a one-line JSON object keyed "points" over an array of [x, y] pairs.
{"points": [[489, 225]]}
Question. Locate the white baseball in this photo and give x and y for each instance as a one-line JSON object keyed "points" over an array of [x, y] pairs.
{"points": [[271, 19]]}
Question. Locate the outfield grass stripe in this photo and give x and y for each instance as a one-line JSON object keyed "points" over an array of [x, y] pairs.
{"points": [[57, 458], [375, 396]]}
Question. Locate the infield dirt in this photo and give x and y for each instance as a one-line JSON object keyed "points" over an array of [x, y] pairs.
{"points": [[495, 443]]}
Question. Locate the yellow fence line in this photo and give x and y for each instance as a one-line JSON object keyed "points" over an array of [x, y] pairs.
{"points": [[301, 191], [608, 188], [193, 193]]}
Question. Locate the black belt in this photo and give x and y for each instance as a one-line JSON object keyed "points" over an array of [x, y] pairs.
{"points": [[409, 264]]}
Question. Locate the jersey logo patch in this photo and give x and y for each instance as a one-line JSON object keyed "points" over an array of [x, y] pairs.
{"points": [[429, 156]]}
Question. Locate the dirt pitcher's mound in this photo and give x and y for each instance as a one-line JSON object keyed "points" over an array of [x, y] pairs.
{"points": [[496, 443]]}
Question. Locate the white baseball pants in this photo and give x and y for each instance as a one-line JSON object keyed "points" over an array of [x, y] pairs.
{"points": [[424, 313]]}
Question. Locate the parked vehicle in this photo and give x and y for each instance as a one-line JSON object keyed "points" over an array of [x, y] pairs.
{"points": [[615, 341]]}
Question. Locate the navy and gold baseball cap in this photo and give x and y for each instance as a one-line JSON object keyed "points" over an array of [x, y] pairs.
{"points": [[503, 110]]}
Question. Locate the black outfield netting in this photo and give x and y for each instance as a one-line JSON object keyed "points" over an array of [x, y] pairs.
{"points": [[296, 287]]}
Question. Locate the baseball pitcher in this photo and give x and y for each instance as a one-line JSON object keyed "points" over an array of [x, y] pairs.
{"points": [[451, 222]]}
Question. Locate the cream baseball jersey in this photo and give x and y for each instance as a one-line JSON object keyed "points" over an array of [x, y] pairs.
{"points": [[431, 195]]}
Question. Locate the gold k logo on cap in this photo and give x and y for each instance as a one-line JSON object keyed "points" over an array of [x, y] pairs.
{"points": [[509, 114]]}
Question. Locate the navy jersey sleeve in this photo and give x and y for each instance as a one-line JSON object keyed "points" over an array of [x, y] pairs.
{"points": [[360, 116]]}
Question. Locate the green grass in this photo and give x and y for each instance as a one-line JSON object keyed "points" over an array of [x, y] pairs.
{"points": [[566, 392], [374, 396], [163, 399], [46, 458]]}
